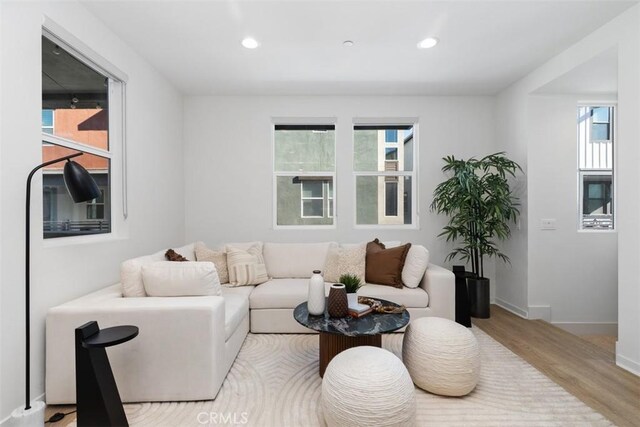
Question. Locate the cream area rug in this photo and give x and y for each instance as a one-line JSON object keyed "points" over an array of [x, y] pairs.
{"points": [[275, 382]]}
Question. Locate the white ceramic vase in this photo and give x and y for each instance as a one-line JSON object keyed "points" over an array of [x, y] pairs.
{"points": [[316, 300]]}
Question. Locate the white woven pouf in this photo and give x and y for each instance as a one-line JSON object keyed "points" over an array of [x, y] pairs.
{"points": [[367, 386], [442, 356]]}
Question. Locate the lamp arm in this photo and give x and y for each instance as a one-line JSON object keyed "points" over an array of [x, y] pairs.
{"points": [[27, 275]]}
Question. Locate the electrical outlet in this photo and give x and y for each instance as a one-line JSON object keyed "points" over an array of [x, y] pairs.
{"points": [[548, 224]]}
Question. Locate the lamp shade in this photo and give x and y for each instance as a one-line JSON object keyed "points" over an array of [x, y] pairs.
{"points": [[79, 182]]}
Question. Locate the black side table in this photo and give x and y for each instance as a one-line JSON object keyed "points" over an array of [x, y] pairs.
{"points": [[97, 398], [462, 296]]}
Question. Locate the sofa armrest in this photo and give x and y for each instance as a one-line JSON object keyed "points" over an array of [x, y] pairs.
{"points": [[440, 285], [178, 354]]}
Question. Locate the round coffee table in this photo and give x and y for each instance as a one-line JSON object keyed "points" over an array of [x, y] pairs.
{"points": [[337, 335]]}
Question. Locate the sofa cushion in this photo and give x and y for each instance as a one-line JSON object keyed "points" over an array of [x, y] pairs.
{"points": [[176, 279], [219, 258], [246, 267], [131, 270], [295, 260], [236, 308], [280, 293], [415, 266], [346, 259], [412, 298], [384, 266]]}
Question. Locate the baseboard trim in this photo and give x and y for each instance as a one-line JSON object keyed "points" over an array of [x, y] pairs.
{"points": [[589, 328], [5, 420], [542, 312], [627, 364], [511, 308]]}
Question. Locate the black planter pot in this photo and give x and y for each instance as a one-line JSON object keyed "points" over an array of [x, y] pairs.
{"points": [[479, 297]]}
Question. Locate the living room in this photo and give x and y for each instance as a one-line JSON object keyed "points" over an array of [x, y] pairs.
{"points": [[192, 123]]}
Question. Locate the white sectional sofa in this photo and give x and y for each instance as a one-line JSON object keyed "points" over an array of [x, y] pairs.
{"points": [[187, 345]]}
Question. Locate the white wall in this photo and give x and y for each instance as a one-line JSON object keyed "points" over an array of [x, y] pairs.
{"points": [[156, 182], [572, 272], [228, 165], [514, 131]]}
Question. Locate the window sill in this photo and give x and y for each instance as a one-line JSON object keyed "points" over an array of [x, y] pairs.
{"points": [[587, 231], [386, 227], [57, 242]]}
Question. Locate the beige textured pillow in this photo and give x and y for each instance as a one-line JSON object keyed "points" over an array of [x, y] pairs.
{"points": [[246, 267], [345, 260], [219, 258]]}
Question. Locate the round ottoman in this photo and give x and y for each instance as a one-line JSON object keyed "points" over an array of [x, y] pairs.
{"points": [[442, 356], [367, 386]]}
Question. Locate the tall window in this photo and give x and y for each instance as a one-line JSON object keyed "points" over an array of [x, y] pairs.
{"points": [[384, 169], [595, 166], [304, 175], [75, 118]]}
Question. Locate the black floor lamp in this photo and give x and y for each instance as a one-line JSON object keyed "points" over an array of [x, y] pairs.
{"points": [[81, 188]]}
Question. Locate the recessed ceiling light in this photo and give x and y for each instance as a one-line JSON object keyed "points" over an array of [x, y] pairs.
{"points": [[348, 43], [250, 43], [427, 43]]}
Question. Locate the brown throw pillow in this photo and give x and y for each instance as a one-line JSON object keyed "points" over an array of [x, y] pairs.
{"points": [[384, 266], [172, 255]]}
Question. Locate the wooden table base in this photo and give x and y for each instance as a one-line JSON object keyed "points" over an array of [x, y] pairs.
{"points": [[332, 344]]}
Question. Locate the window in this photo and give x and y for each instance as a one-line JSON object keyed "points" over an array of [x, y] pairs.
{"points": [[317, 198], [76, 113], [595, 167], [47, 121], [304, 175], [384, 172]]}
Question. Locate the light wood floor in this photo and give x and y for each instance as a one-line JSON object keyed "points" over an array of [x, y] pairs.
{"points": [[585, 367]]}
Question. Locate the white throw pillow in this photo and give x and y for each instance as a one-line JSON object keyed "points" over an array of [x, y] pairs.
{"points": [[415, 264], [176, 279], [246, 267], [346, 259], [131, 269]]}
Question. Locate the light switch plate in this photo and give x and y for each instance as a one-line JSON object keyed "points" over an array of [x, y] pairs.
{"points": [[548, 224]]}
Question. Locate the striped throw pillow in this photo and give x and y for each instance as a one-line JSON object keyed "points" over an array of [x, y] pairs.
{"points": [[246, 267]]}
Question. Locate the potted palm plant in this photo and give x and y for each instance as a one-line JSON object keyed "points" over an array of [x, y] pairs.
{"points": [[480, 205]]}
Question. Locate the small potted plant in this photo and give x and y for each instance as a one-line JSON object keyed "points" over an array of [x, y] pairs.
{"points": [[351, 283]]}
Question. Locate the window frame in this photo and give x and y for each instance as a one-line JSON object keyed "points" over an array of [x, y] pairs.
{"points": [[332, 175], [116, 153], [581, 172], [414, 173]]}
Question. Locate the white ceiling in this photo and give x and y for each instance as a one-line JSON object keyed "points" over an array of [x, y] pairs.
{"points": [[484, 46]]}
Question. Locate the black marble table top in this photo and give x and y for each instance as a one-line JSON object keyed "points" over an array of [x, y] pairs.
{"points": [[371, 324]]}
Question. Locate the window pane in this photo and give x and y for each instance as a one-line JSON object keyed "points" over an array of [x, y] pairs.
{"points": [[383, 200], [313, 207], [290, 205], [311, 189], [391, 135], [63, 217], [391, 199], [304, 150], [371, 153], [597, 201], [600, 114], [77, 97], [47, 118], [600, 132]]}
